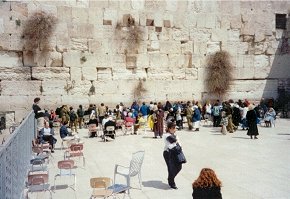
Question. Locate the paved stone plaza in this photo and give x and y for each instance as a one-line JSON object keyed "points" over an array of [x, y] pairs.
{"points": [[249, 169]]}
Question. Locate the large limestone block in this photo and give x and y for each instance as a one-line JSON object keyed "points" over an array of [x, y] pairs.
{"points": [[200, 48], [54, 59], [75, 100], [261, 61], [236, 21], [15, 42], [79, 15], [180, 60], [248, 61], [243, 73], [28, 59], [104, 74], [213, 47], [170, 47], [261, 73], [9, 73], [249, 86], [159, 74], [5, 41], [82, 88], [142, 61], [157, 60], [171, 5], [187, 47], [10, 59], [95, 16], [110, 14], [64, 13], [200, 35], [76, 74], [191, 73], [62, 43], [53, 87], [243, 48], [138, 5], [2, 30], [180, 35], [119, 60], [106, 86], [89, 73], [20, 88], [95, 45], [219, 35], [234, 35], [81, 30], [51, 73], [79, 44], [260, 48], [179, 73], [201, 20], [225, 21], [210, 21]]}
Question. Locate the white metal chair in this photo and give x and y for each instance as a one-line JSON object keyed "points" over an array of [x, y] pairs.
{"points": [[65, 169], [100, 186], [38, 183], [128, 172]]}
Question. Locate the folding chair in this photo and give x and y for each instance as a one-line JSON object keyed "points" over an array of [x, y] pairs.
{"points": [[93, 128], [110, 132], [38, 183], [129, 126], [65, 169], [75, 150], [128, 172], [143, 125], [39, 154], [100, 186], [120, 124]]}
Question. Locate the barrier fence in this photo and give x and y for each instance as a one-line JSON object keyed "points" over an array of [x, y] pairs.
{"points": [[15, 154]]}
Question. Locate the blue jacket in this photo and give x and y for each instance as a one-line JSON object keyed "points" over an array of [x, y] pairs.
{"points": [[196, 115], [63, 132], [144, 110]]}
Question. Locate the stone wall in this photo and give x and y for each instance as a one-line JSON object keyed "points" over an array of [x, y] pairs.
{"points": [[96, 56]]}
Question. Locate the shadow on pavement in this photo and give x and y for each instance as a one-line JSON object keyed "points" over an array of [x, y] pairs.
{"points": [[157, 184], [247, 138]]}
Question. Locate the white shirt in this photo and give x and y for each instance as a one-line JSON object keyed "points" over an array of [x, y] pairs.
{"points": [[104, 121], [46, 131], [169, 145]]}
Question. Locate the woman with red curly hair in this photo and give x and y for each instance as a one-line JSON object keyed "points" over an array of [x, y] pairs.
{"points": [[207, 185]]}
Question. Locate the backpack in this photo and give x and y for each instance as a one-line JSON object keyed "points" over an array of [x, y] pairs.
{"points": [[216, 111], [72, 116]]}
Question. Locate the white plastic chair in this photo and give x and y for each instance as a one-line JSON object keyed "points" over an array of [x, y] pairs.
{"points": [[128, 172]]}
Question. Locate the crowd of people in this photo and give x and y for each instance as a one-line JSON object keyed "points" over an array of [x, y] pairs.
{"points": [[227, 115]]}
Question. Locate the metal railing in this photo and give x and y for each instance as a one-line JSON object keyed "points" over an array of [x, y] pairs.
{"points": [[15, 154]]}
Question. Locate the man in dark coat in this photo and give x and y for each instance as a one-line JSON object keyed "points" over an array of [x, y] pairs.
{"points": [[252, 122]]}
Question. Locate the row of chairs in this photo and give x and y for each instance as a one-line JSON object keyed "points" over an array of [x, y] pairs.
{"points": [[37, 180]]}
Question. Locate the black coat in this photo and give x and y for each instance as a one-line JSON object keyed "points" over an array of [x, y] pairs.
{"points": [[207, 193], [252, 123]]}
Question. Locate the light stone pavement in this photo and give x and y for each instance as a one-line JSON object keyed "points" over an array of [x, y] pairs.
{"points": [[248, 169]]}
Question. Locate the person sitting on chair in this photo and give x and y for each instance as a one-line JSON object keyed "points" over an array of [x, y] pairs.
{"points": [[63, 132], [93, 124], [110, 122], [270, 116], [46, 134]]}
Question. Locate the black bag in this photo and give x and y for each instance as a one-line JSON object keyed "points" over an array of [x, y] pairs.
{"points": [[179, 155]]}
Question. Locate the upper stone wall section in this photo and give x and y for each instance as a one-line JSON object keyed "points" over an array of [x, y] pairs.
{"points": [[97, 41]]}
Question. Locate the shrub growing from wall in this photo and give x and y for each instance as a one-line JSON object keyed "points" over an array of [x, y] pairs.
{"points": [[37, 31], [219, 73]]}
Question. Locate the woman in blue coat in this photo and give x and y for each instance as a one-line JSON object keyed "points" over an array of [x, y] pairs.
{"points": [[196, 117]]}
